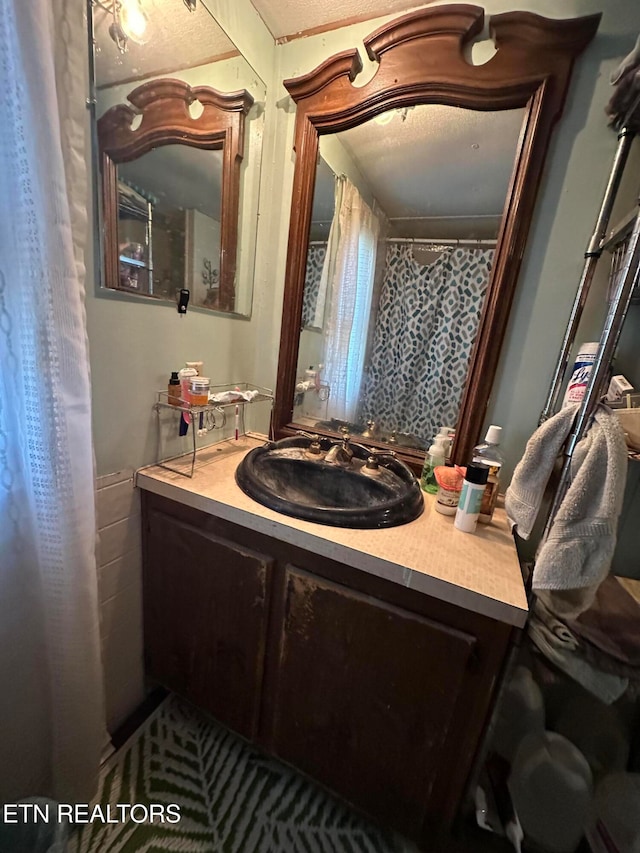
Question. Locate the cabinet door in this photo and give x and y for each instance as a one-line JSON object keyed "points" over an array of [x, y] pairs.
{"points": [[364, 696], [205, 605]]}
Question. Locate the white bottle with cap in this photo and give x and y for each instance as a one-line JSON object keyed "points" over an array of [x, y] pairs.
{"points": [[489, 454], [470, 501], [443, 438]]}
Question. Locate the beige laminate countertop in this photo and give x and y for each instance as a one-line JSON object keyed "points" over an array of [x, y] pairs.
{"points": [[479, 572]]}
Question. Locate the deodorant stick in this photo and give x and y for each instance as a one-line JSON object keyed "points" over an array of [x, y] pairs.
{"points": [[470, 501]]}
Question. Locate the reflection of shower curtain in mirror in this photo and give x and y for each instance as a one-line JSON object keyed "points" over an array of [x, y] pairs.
{"points": [[312, 277], [424, 333], [350, 262]]}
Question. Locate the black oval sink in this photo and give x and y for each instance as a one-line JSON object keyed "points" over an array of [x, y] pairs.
{"points": [[285, 477]]}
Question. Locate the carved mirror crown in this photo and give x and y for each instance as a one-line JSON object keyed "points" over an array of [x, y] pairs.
{"points": [[421, 60]]}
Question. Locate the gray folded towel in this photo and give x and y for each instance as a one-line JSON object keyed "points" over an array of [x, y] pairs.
{"points": [[577, 553], [579, 549], [530, 478], [624, 105]]}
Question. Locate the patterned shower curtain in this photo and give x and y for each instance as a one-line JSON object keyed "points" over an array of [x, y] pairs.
{"points": [[313, 275], [424, 333]]}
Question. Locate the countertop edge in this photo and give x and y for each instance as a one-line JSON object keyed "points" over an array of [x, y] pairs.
{"points": [[393, 572]]}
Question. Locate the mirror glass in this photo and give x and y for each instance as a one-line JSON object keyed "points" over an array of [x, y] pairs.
{"points": [[169, 199], [169, 223], [406, 212]]}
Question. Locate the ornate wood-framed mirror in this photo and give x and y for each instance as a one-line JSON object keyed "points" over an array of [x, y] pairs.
{"points": [[165, 120], [422, 64]]}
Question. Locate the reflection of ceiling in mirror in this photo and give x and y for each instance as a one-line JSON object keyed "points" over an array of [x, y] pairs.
{"points": [[175, 38], [180, 177], [290, 19], [435, 165]]}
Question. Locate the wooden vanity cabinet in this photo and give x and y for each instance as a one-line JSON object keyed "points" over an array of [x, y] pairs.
{"points": [[378, 692], [205, 617]]}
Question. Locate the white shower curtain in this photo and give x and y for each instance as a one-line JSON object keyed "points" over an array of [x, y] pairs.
{"points": [[350, 263], [51, 693]]}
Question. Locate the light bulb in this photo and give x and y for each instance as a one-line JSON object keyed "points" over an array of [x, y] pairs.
{"points": [[133, 20]]}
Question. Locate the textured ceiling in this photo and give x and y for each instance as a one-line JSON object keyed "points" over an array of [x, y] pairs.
{"points": [[179, 177], [292, 17], [175, 38]]}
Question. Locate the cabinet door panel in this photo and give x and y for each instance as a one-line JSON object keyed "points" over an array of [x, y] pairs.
{"points": [[364, 696], [205, 602]]}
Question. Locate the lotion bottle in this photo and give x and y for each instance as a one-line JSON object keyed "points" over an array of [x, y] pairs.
{"points": [[432, 460]]}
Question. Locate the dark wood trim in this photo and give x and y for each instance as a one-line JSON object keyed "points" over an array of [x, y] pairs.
{"points": [[421, 61], [166, 120]]}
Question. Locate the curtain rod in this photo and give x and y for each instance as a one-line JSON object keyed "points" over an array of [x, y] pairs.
{"points": [[468, 243], [450, 242]]}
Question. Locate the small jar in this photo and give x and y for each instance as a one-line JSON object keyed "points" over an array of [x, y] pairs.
{"points": [[449, 482], [447, 500], [199, 390]]}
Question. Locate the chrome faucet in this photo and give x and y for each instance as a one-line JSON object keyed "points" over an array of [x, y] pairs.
{"points": [[340, 453]]}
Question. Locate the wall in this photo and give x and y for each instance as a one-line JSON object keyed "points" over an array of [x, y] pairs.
{"points": [[134, 342], [120, 594]]}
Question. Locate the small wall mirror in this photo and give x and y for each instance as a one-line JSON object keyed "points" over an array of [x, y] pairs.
{"points": [[412, 198], [180, 116]]}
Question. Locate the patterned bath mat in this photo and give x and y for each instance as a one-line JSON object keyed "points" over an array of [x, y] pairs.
{"points": [[232, 798]]}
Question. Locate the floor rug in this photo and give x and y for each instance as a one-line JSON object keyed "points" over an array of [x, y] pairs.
{"points": [[232, 798]]}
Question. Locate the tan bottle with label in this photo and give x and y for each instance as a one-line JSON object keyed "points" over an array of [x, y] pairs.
{"points": [[489, 454]]}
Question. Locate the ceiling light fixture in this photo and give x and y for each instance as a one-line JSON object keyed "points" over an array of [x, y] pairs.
{"points": [[129, 22], [386, 117]]}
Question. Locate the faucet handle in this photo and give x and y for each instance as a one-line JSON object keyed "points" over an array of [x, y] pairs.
{"points": [[312, 435], [376, 453], [315, 448], [372, 463]]}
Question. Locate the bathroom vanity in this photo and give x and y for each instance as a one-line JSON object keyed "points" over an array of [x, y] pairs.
{"points": [[367, 659]]}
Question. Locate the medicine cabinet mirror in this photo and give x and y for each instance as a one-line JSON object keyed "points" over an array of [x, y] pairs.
{"points": [[180, 120], [412, 199]]}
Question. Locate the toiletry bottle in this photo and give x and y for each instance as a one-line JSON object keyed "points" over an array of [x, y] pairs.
{"points": [[186, 374], [489, 454], [434, 457], [471, 497], [449, 481], [582, 368], [443, 437], [173, 389]]}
